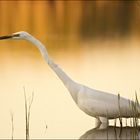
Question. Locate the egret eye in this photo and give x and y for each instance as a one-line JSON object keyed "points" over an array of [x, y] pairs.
{"points": [[16, 35]]}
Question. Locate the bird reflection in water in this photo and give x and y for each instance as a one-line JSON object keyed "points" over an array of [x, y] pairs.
{"points": [[113, 133]]}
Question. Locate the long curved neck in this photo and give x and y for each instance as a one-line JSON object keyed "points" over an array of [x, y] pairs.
{"points": [[40, 46], [68, 82]]}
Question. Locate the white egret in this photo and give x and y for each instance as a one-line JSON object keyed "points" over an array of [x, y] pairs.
{"points": [[98, 104]]}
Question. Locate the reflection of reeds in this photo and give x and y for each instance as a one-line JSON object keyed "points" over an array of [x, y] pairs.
{"points": [[27, 113]]}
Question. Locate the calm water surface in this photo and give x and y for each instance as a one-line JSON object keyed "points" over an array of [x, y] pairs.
{"points": [[113, 133], [114, 68]]}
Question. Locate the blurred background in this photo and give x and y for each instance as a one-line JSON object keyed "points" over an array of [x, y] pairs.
{"points": [[95, 42], [71, 19]]}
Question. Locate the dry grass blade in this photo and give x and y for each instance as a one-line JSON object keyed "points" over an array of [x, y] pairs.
{"points": [[46, 127], [27, 113], [26, 116], [12, 122], [108, 122], [119, 106]]}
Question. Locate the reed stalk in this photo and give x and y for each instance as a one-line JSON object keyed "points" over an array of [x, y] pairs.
{"points": [[119, 107], [27, 113], [12, 124]]}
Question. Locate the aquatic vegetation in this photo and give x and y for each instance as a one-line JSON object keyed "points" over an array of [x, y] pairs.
{"points": [[120, 117], [12, 125], [27, 113]]}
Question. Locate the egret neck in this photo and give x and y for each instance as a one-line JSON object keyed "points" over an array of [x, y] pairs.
{"points": [[72, 86]]}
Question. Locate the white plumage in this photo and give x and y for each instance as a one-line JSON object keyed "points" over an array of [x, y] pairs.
{"points": [[99, 104]]}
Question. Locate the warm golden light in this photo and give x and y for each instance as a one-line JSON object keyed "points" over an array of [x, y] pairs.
{"points": [[96, 43]]}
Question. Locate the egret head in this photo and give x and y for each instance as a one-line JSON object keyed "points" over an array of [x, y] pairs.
{"points": [[17, 35]]}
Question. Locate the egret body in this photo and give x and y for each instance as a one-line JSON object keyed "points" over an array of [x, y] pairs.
{"points": [[98, 104]]}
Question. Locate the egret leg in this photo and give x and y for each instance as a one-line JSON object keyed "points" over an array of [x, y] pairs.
{"points": [[104, 123], [97, 122], [103, 120]]}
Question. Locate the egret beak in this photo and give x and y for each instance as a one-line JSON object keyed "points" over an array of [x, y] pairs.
{"points": [[9, 36]]}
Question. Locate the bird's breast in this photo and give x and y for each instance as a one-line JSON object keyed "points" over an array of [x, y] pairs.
{"points": [[94, 107]]}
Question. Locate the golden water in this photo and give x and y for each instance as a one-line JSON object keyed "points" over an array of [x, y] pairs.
{"points": [[114, 68]]}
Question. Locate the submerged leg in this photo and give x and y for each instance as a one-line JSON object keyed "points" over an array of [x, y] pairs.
{"points": [[103, 120], [97, 122]]}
